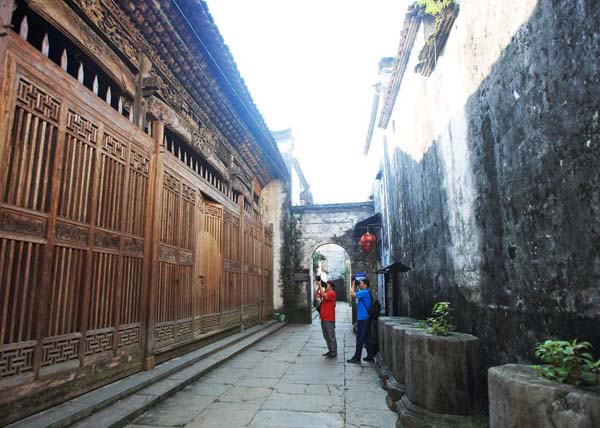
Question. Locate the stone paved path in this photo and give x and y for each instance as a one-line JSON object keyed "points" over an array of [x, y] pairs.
{"points": [[283, 381]]}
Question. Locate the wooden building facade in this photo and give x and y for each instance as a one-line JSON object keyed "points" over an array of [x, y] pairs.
{"points": [[131, 166]]}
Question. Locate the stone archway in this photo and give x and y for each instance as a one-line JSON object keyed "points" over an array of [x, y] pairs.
{"points": [[316, 225], [336, 266]]}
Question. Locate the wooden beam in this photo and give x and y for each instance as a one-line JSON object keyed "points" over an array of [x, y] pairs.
{"points": [[6, 11], [242, 253], [139, 108]]}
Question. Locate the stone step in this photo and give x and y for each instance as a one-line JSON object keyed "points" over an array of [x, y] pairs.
{"points": [[116, 404]]}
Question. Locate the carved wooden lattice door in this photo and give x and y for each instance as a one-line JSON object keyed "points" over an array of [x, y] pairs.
{"points": [[230, 291], [211, 265], [175, 294], [73, 186]]}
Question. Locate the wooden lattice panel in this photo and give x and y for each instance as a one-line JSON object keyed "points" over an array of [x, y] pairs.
{"points": [[77, 168], [31, 148], [65, 291], [16, 359], [170, 209], [131, 291], [21, 271], [129, 335], [135, 221], [102, 290], [58, 350], [111, 182], [99, 341], [210, 257]]}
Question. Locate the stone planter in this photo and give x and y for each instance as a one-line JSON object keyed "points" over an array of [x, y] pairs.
{"points": [[442, 376], [520, 398], [384, 325], [399, 348], [383, 367], [396, 383], [380, 323], [388, 329]]}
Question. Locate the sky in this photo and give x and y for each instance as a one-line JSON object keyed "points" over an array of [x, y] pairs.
{"points": [[311, 65]]}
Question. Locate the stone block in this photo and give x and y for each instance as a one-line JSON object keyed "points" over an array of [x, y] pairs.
{"points": [[398, 350], [520, 398], [442, 372], [387, 336]]}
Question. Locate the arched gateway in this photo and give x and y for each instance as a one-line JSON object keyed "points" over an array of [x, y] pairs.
{"points": [[316, 225]]}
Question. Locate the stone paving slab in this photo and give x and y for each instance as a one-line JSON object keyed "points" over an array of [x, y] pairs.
{"points": [[284, 419], [284, 381]]}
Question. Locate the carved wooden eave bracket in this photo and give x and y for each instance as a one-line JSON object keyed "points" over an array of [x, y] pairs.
{"points": [[239, 181], [199, 138], [150, 85]]}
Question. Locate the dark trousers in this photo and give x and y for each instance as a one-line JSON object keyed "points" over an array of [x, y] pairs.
{"points": [[328, 328], [363, 336]]}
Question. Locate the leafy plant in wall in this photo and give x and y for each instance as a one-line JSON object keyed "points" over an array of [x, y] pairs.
{"points": [[439, 323], [434, 7], [567, 362], [316, 258]]}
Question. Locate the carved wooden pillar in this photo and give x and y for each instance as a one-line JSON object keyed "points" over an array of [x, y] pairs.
{"points": [[263, 262], [151, 245], [6, 11], [139, 103], [41, 306], [242, 243]]}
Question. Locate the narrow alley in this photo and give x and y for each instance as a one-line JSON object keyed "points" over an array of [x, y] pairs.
{"points": [[282, 381], [184, 184]]}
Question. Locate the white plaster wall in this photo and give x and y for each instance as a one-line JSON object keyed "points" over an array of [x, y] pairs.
{"points": [[431, 110], [273, 200], [335, 260]]}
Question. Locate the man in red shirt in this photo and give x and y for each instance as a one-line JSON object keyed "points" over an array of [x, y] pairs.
{"points": [[327, 296]]}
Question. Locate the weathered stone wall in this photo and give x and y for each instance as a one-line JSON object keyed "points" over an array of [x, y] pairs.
{"points": [[491, 184], [275, 209]]}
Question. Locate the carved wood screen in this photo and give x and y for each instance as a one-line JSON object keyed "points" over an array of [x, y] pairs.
{"points": [[253, 273], [71, 260], [78, 244], [230, 291], [175, 288]]}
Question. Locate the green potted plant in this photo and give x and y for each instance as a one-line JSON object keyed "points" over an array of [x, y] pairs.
{"points": [[567, 362]]}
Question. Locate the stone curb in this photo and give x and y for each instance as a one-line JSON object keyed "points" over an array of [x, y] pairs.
{"points": [[116, 404]]}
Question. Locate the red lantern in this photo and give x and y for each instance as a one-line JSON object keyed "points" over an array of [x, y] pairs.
{"points": [[367, 241]]}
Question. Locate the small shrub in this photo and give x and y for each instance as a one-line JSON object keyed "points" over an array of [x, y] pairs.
{"points": [[434, 7], [567, 362], [439, 323]]}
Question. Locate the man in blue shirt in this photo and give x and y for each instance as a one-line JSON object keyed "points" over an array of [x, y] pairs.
{"points": [[363, 333]]}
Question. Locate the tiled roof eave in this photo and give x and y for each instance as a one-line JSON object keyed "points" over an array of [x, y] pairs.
{"points": [[412, 21]]}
